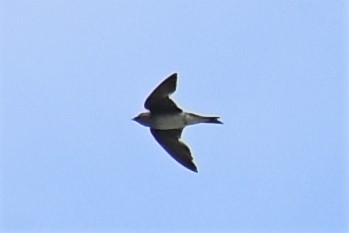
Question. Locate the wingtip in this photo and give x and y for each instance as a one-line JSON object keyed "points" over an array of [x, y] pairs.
{"points": [[193, 168], [173, 76]]}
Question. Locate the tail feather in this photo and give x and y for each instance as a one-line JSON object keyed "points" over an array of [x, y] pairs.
{"points": [[214, 120]]}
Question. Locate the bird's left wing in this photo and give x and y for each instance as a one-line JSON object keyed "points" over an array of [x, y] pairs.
{"points": [[159, 101]]}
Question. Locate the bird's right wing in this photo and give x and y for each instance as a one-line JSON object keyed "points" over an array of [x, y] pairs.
{"points": [[170, 141]]}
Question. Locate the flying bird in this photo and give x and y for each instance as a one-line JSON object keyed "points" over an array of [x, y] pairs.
{"points": [[167, 121]]}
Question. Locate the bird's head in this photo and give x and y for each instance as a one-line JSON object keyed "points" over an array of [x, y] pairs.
{"points": [[143, 118]]}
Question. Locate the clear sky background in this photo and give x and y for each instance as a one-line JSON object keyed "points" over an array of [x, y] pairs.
{"points": [[74, 73]]}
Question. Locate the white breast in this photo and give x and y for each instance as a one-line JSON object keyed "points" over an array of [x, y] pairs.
{"points": [[171, 121]]}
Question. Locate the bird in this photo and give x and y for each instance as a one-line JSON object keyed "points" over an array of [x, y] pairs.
{"points": [[167, 121]]}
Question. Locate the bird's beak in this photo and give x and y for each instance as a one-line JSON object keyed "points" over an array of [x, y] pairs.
{"points": [[133, 119]]}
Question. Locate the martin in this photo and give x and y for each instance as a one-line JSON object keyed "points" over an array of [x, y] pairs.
{"points": [[167, 121]]}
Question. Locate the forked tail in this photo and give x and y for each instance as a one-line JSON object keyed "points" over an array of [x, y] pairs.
{"points": [[192, 119], [214, 120]]}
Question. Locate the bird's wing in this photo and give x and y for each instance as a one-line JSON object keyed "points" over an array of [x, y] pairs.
{"points": [[159, 101], [170, 141]]}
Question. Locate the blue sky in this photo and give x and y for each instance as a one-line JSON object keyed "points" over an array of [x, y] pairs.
{"points": [[73, 74]]}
